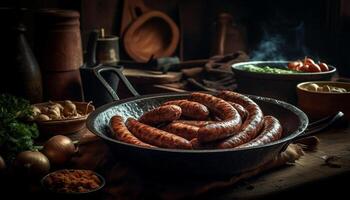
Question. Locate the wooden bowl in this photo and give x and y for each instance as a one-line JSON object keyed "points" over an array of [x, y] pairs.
{"points": [[321, 104], [152, 34], [65, 126]]}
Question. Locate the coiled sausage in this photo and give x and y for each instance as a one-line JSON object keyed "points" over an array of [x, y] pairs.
{"points": [[231, 120], [156, 136], [194, 122], [161, 114], [183, 130], [121, 133], [193, 110], [271, 132], [251, 126], [242, 112]]}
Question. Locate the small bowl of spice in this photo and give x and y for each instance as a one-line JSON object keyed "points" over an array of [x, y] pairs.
{"points": [[73, 181]]}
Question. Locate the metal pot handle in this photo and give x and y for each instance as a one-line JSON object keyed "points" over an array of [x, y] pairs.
{"points": [[118, 71], [315, 127]]}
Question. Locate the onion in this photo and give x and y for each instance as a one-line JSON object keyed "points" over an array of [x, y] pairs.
{"points": [[2, 164], [59, 149], [32, 163]]}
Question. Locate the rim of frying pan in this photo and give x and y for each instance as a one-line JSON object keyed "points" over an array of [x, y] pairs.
{"points": [[300, 114]]}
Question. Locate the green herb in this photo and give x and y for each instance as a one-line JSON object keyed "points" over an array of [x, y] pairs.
{"points": [[268, 69], [16, 133]]}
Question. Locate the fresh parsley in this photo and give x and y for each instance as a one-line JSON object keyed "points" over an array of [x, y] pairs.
{"points": [[16, 132]]}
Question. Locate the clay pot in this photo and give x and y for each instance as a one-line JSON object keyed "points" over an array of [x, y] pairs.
{"points": [[62, 85], [58, 42]]}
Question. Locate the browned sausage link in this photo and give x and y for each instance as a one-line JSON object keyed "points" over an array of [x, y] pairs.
{"points": [[193, 110], [198, 145], [220, 107], [161, 114], [121, 133], [251, 126], [231, 120], [242, 112], [156, 136], [195, 143], [271, 132], [236, 98], [194, 122], [183, 130]]}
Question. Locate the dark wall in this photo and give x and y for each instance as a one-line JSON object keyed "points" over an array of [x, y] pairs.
{"points": [[316, 28]]}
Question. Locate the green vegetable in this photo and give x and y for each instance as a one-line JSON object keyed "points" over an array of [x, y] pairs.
{"points": [[16, 133], [267, 69]]}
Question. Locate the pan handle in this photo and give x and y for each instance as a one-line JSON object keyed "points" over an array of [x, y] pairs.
{"points": [[315, 127], [117, 69]]}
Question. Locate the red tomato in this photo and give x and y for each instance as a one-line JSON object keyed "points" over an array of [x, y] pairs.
{"points": [[324, 67], [295, 65], [314, 68], [309, 61], [304, 68]]}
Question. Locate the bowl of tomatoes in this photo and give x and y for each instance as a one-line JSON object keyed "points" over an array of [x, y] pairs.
{"points": [[278, 79], [308, 65]]}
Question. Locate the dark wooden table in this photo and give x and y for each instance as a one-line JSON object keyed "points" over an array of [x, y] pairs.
{"points": [[320, 172], [309, 175]]}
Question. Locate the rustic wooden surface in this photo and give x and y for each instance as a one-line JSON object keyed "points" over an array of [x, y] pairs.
{"points": [[309, 174]]}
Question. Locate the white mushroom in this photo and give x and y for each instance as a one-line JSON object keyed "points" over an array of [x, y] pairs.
{"points": [[312, 87], [42, 117], [36, 111], [70, 108]]}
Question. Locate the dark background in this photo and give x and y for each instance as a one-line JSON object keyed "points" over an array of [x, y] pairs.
{"points": [[316, 28]]}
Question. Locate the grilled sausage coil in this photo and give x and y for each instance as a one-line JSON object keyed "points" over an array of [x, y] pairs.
{"points": [[242, 112], [239, 123], [231, 120], [194, 122], [271, 132], [156, 136], [193, 110], [183, 130], [121, 132], [251, 126], [166, 113]]}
